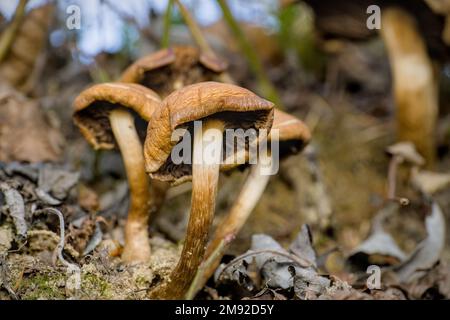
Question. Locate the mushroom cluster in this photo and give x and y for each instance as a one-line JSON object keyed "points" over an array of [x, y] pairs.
{"points": [[219, 107], [192, 106]]}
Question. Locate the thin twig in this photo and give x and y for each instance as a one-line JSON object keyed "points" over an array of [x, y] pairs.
{"points": [[7, 37], [60, 247], [266, 87]]}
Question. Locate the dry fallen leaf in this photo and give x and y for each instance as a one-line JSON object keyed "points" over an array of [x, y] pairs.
{"points": [[57, 182], [430, 182], [16, 208], [25, 134], [428, 252], [278, 268], [88, 198], [379, 245], [26, 48]]}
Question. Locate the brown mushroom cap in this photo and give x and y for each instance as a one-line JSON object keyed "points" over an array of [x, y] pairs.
{"points": [[92, 107], [294, 135], [161, 69], [235, 106], [135, 72]]}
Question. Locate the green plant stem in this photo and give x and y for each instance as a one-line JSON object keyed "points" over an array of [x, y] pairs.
{"points": [[200, 39], [7, 37], [266, 87], [167, 24], [195, 29]]}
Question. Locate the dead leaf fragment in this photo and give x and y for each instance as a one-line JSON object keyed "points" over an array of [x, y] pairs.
{"points": [[57, 182], [428, 252], [302, 245], [88, 199], [95, 240], [278, 268], [430, 182], [25, 134], [379, 245], [16, 208], [6, 238], [28, 43]]}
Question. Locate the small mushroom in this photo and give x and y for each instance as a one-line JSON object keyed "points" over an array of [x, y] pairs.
{"points": [[293, 136], [170, 69], [218, 106], [405, 151], [102, 113], [401, 152]]}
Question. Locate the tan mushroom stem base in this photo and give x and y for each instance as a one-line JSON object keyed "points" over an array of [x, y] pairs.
{"points": [[137, 247], [415, 86], [205, 176], [231, 225]]}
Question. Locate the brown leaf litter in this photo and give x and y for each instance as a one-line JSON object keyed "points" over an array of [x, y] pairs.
{"points": [[25, 133]]}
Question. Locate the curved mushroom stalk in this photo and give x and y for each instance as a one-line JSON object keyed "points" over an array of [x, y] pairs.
{"points": [[137, 247], [207, 155], [248, 198], [415, 87], [229, 227]]}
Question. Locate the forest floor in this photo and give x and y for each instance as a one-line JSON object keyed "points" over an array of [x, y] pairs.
{"points": [[336, 186]]}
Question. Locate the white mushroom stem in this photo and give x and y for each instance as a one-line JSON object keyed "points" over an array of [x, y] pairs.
{"points": [[137, 247], [207, 155], [415, 86], [229, 227]]}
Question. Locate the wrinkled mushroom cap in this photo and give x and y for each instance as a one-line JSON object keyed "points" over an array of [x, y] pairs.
{"points": [[93, 105], [237, 107], [163, 69], [294, 135]]}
